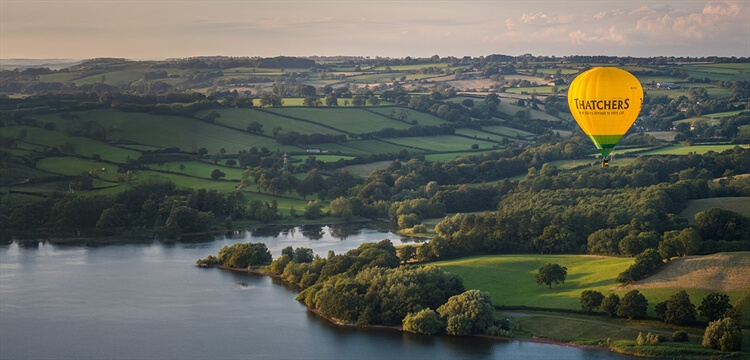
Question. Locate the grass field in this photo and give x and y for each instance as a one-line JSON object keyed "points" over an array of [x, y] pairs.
{"points": [[58, 139], [346, 120], [441, 143], [199, 169], [663, 135], [508, 132], [737, 204], [423, 119], [367, 147], [240, 118], [188, 134], [323, 158], [450, 156], [510, 278], [481, 135], [70, 166], [21, 174], [698, 149]]}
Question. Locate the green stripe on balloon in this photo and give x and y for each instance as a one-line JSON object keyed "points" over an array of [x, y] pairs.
{"points": [[605, 143]]}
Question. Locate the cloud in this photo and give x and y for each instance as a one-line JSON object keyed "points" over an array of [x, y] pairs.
{"points": [[609, 37]]}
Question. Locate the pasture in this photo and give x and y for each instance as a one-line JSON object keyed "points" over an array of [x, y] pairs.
{"points": [[698, 149], [350, 120], [241, 118], [39, 139], [367, 147], [188, 134], [508, 132], [450, 156], [737, 204], [510, 278], [482, 135], [442, 143], [198, 169], [321, 157], [71, 166], [423, 119]]}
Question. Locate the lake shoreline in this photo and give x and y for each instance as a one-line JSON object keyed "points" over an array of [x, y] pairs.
{"points": [[538, 340]]}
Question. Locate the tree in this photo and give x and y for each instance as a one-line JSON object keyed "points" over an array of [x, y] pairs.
{"points": [[724, 335], [303, 255], [255, 128], [425, 321], [373, 100], [610, 304], [113, 217], [243, 255], [216, 174], [407, 253], [312, 183], [470, 312], [312, 101], [714, 306], [278, 265], [211, 116], [590, 300], [677, 310], [359, 100], [332, 100], [341, 207], [633, 305], [551, 274], [313, 210]]}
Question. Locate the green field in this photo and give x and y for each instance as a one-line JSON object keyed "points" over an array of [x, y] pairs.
{"points": [[510, 278], [684, 150], [441, 143], [240, 118], [367, 147], [423, 119], [737, 204], [450, 156], [70, 166], [347, 119], [477, 134], [188, 134], [199, 169], [77, 145], [322, 157], [718, 72], [508, 132]]}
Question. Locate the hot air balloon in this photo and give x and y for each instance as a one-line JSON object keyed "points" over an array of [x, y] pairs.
{"points": [[605, 102]]}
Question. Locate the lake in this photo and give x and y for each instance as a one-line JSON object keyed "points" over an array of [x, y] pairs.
{"points": [[150, 301]]}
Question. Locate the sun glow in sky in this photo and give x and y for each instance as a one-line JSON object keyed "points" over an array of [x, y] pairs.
{"points": [[158, 29]]}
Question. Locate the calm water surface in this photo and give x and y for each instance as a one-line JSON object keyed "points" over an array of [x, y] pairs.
{"points": [[150, 301]]}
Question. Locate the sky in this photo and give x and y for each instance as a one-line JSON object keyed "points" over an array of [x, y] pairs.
{"points": [[159, 29]]}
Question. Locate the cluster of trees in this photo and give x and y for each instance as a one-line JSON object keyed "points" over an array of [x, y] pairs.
{"points": [[239, 256], [663, 110], [367, 286], [676, 310], [561, 216], [723, 331], [153, 207]]}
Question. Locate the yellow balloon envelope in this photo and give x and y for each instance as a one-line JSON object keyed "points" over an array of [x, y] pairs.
{"points": [[605, 102]]}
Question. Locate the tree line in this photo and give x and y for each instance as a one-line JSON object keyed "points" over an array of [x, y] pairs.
{"points": [[366, 286]]}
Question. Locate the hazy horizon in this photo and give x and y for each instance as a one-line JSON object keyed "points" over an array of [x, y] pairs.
{"points": [[161, 29]]}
